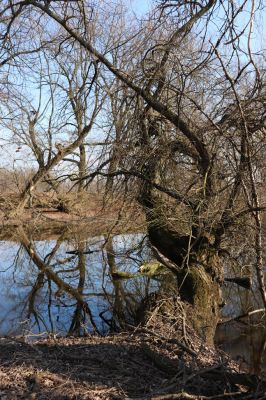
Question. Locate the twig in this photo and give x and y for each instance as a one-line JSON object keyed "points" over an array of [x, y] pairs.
{"points": [[202, 371], [248, 314], [187, 396], [174, 341]]}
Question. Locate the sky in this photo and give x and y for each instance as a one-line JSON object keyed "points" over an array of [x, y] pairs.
{"points": [[9, 158], [139, 7]]}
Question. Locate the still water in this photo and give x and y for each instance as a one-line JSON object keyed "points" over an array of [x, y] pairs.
{"points": [[32, 304]]}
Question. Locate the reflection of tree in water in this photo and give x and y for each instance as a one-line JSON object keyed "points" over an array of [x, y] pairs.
{"points": [[121, 303], [243, 337], [47, 269], [16, 281], [128, 292], [79, 317], [245, 341], [32, 299], [258, 355], [86, 272], [39, 283]]}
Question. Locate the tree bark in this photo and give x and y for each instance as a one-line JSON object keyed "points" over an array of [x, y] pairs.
{"points": [[199, 269]]}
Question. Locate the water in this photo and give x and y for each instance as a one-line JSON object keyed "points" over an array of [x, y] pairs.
{"points": [[32, 304], [243, 338]]}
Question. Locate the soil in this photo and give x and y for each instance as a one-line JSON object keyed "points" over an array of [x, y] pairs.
{"points": [[137, 364]]}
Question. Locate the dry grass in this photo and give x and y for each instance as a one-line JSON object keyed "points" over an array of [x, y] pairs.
{"points": [[89, 213]]}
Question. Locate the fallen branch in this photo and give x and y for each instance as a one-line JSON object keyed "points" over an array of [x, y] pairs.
{"points": [[169, 340], [248, 314]]}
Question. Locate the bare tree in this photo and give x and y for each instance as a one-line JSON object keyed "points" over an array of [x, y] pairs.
{"points": [[57, 123], [194, 90]]}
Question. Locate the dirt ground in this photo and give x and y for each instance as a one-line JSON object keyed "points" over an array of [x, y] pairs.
{"points": [[138, 364]]}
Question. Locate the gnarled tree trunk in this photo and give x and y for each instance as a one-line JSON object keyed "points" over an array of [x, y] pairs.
{"points": [[199, 270]]}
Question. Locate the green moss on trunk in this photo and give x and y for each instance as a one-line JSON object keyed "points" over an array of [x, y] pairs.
{"points": [[198, 286]]}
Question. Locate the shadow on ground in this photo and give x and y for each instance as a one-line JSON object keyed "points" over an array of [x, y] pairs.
{"points": [[114, 367]]}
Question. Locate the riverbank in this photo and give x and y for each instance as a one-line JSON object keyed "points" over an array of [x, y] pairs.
{"points": [[137, 364], [89, 214]]}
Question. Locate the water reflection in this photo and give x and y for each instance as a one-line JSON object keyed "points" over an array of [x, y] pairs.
{"points": [[243, 333], [70, 286], [245, 341]]}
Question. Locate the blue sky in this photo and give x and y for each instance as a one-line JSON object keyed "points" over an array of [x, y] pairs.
{"points": [[140, 6]]}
